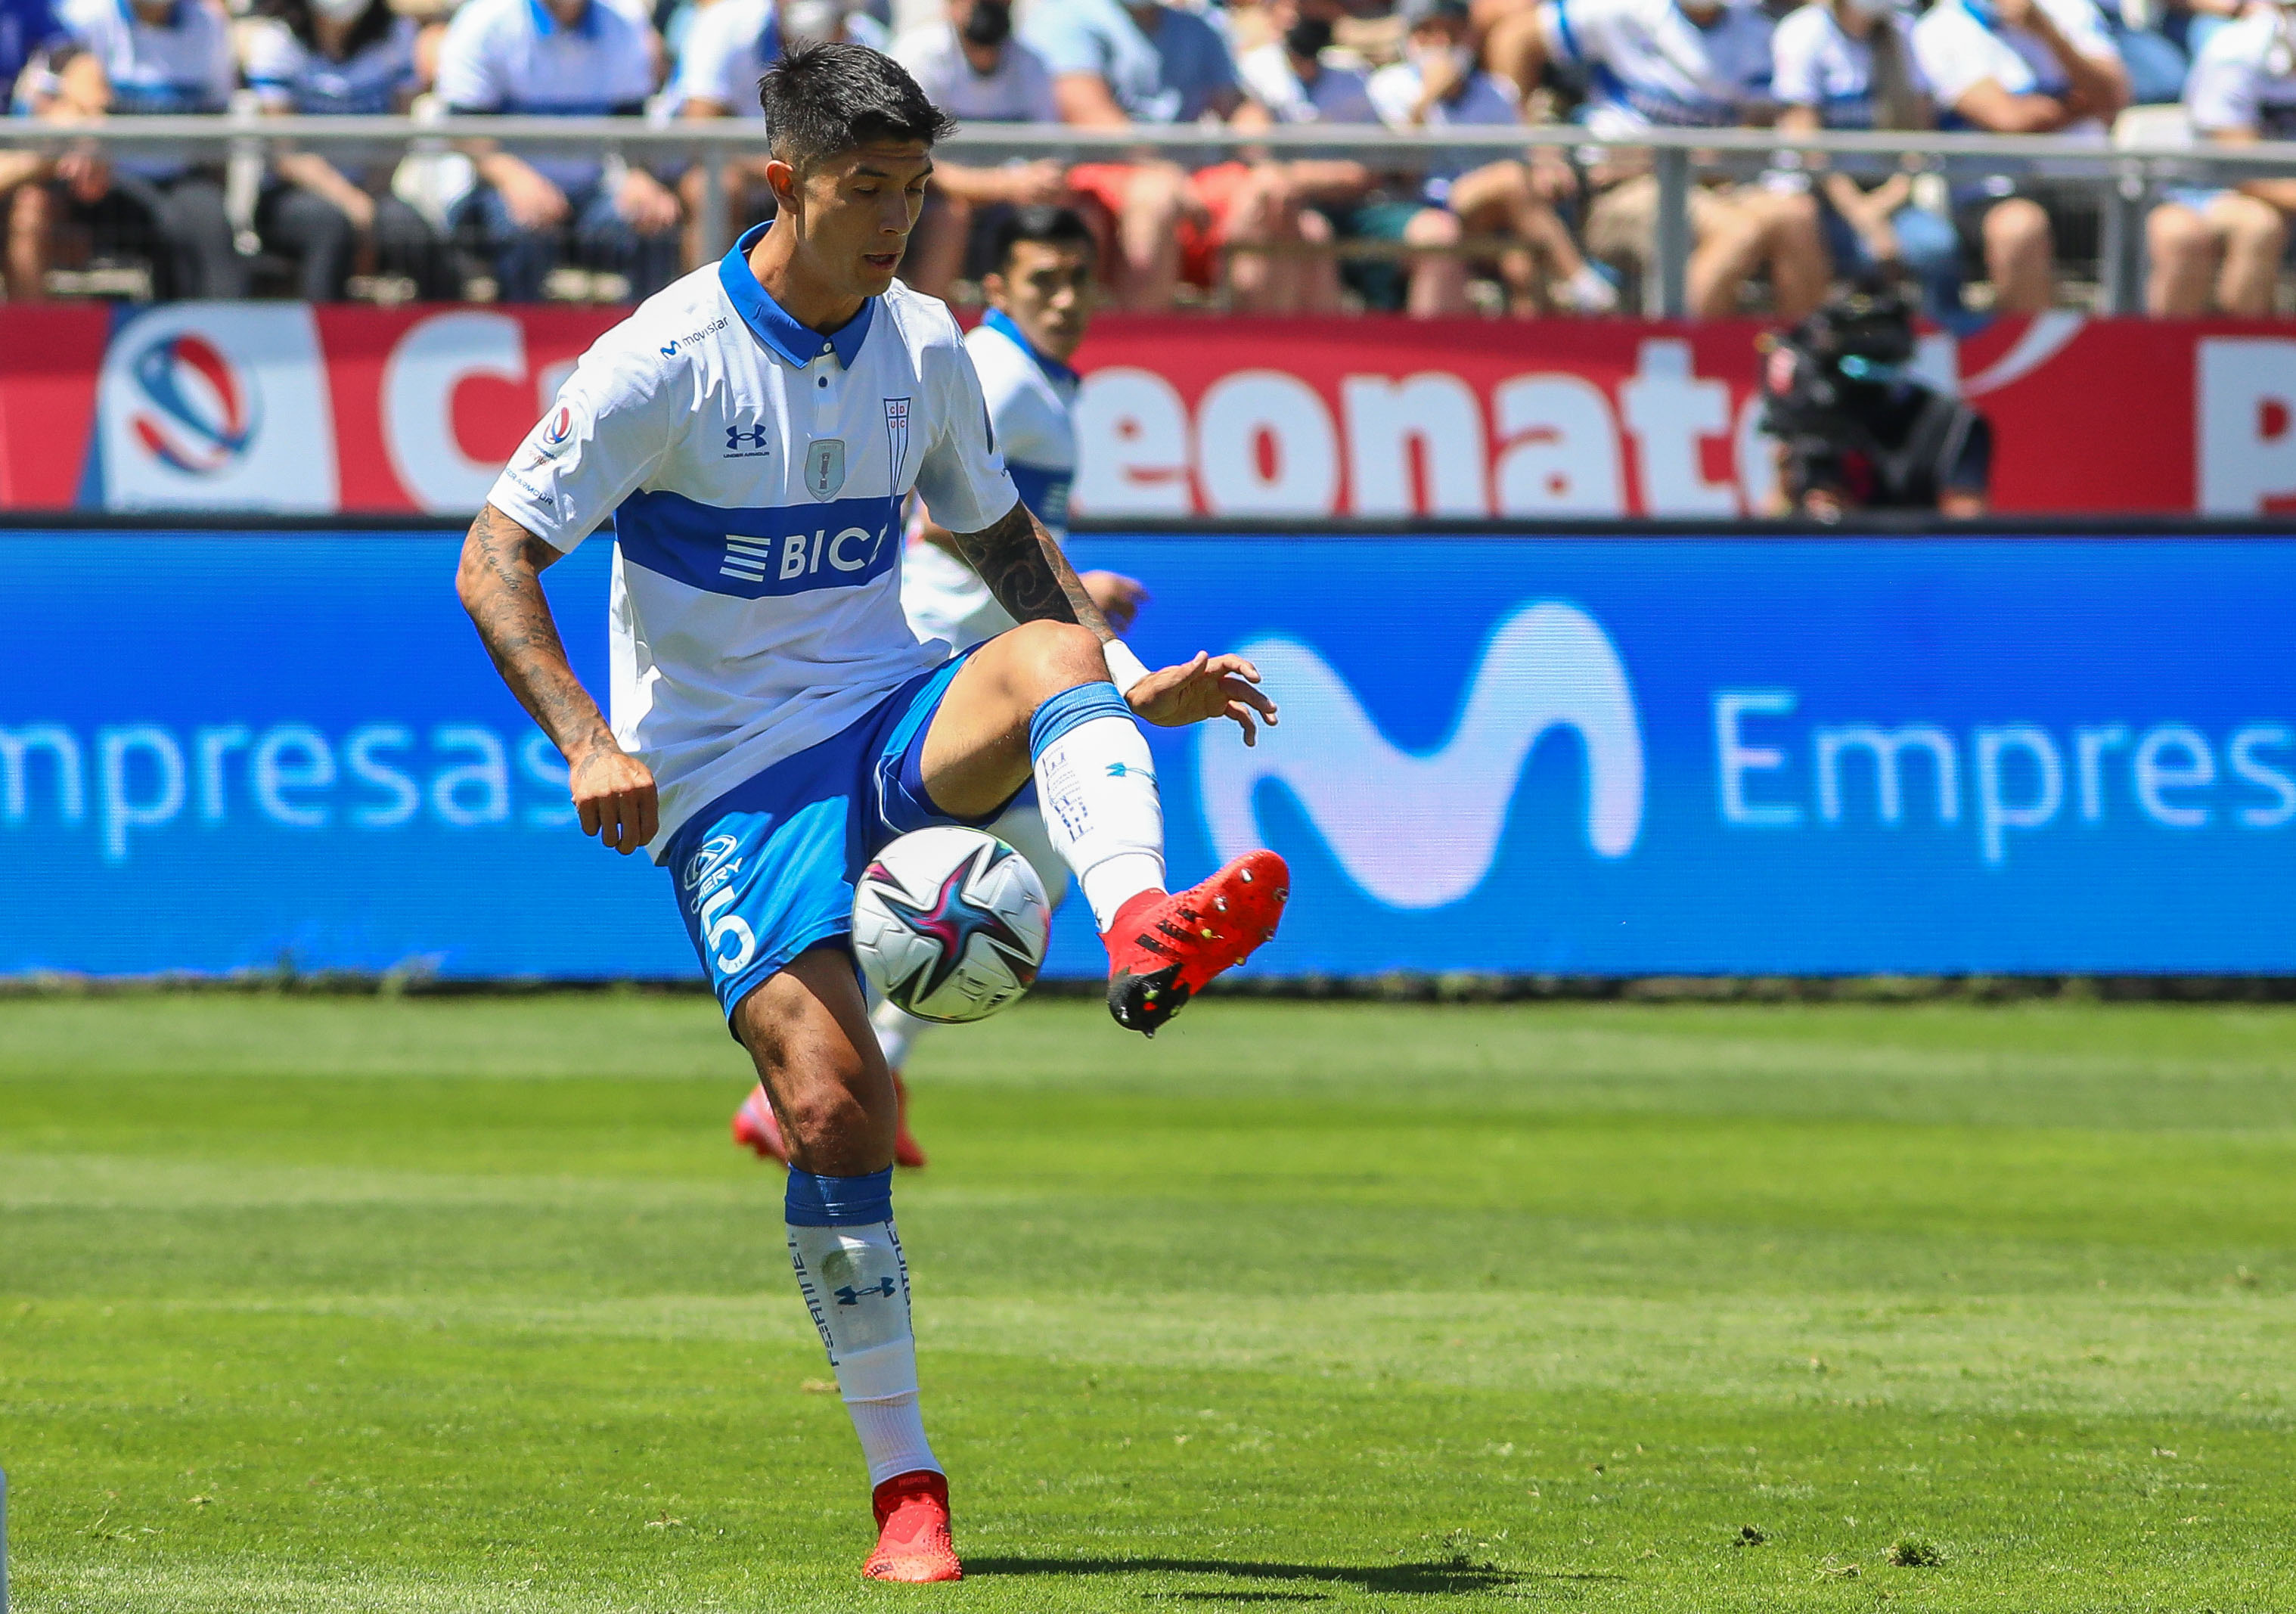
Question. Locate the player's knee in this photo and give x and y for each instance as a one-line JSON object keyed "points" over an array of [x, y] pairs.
{"points": [[1049, 657]]}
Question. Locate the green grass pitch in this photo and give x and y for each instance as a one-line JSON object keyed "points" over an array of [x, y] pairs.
{"points": [[470, 1304]]}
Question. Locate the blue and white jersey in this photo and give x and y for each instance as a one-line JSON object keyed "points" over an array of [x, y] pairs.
{"points": [[1960, 44], [756, 470], [289, 76], [182, 65], [1815, 63], [1652, 67], [2244, 81], [728, 50], [513, 56], [1032, 404]]}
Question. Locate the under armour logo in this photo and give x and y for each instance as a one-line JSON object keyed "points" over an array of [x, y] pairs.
{"points": [[851, 1295], [739, 437]]}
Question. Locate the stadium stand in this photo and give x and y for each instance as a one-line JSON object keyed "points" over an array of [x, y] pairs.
{"points": [[1313, 225]]}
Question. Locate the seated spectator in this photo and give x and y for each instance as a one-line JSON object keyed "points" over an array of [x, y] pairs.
{"points": [[1116, 65], [1676, 64], [29, 30], [973, 69], [1441, 83], [1848, 64], [2019, 67], [149, 56], [726, 50], [2230, 240], [2155, 63], [342, 57], [563, 58], [1299, 78]]}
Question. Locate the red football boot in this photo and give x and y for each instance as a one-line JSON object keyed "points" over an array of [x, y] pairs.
{"points": [[913, 1539], [906, 1151], [1163, 949], [755, 1128]]}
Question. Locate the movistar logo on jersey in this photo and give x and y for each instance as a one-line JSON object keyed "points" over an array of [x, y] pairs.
{"points": [[1548, 666]]}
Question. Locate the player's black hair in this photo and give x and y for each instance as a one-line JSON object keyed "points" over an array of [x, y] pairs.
{"points": [[1041, 222], [822, 99]]}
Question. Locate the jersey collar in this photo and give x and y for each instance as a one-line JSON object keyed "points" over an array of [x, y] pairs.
{"points": [[771, 324], [1006, 326]]}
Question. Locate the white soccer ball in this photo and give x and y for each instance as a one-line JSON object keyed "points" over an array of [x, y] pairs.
{"points": [[950, 923]]}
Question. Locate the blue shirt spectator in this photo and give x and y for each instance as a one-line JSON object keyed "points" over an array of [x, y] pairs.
{"points": [[1161, 65], [26, 26], [558, 58], [174, 56]]}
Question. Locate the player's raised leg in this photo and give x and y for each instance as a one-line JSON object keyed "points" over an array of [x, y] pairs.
{"points": [[1041, 700], [807, 1028]]}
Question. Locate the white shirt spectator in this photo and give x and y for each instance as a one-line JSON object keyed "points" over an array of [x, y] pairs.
{"points": [[289, 76], [1815, 63], [512, 56], [728, 50], [1020, 91], [1340, 94], [1654, 67], [1486, 100], [184, 65], [2244, 80], [1959, 48], [756, 472], [1174, 77]]}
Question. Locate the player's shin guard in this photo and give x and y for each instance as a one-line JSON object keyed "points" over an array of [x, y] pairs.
{"points": [[849, 1264], [1099, 795]]}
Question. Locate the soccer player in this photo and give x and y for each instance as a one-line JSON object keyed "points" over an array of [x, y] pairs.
{"points": [[1040, 300], [753, 431]]}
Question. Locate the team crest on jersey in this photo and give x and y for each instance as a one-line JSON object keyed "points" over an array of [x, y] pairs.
{"points": [[897, 435], [825, 467]]}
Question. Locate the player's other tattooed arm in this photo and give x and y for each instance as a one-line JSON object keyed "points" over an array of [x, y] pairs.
{"points": [[1027, 574], [500, 582], [1031, 579]]}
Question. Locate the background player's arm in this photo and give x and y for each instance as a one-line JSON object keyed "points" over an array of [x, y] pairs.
{"points": [[500, 583]]}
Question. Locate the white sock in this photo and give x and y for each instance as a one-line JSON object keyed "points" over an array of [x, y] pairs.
{"points": [[1098, 789], [898, 1031], [856, 1285]]}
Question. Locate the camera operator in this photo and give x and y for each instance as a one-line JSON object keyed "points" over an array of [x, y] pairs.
{"points": [[1855, 429]]}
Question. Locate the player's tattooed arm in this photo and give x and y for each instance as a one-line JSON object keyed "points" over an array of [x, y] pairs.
{"points": [[1029, 577], [500, 583]]}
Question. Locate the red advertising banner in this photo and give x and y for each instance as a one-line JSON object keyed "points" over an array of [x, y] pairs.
{"points": [[283, 407]]}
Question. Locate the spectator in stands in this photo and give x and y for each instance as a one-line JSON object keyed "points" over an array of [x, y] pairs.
{"points": [[29, 30], [343, 57], [1299, 78], [1440, 83], [974, 69], [2019, 67], [1848, 64], [558, 58], [2230, 240], [1115, 65], [146, 56], [1675, 64]]}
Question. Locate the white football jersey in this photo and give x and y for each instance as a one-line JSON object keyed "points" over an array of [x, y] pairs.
{"points": [[728, 50], [1031, 402], [1653, 66], [756, 470], [1815, 62]]}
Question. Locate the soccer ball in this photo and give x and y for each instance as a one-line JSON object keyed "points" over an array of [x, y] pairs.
{"points": [[950, 923]]}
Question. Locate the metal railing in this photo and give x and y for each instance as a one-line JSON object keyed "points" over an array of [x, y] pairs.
{"points": [[2127, 182]]}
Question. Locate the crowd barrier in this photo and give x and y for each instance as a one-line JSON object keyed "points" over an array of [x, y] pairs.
{"points": [[1589, 756], [281, 406]]}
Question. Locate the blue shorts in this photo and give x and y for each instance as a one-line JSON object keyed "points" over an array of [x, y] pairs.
{"points": [[767, 869]]}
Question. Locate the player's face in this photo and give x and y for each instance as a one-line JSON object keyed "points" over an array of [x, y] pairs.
{"points": [[858, 210], [1047, 289]]}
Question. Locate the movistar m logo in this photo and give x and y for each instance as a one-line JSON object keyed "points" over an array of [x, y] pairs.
{"points": [[1419, 831], [1118, 770]]}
